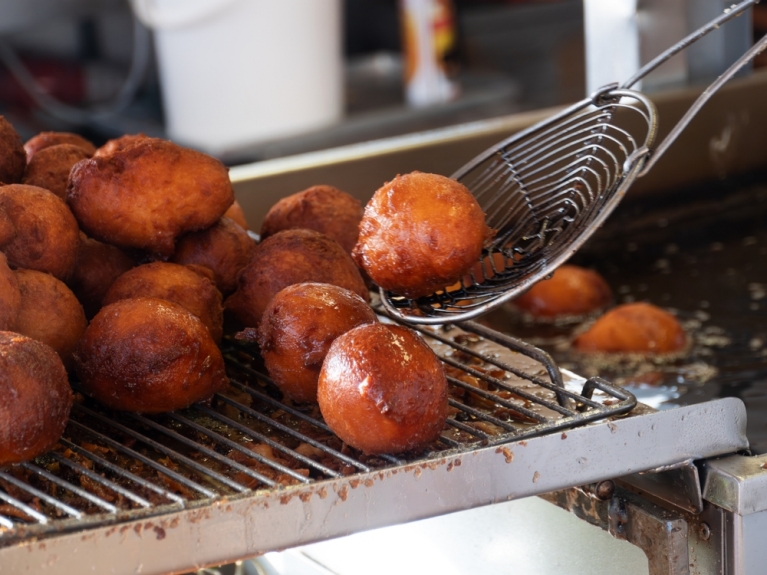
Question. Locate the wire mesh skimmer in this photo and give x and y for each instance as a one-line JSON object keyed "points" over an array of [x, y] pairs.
{"points": [[546, 189]]}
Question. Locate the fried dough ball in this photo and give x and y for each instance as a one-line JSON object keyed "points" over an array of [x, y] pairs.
{"points": [[225, 248], [47, 139], [118, 144], [291, 257], [50, 313], [36, 398], [571, 291], [420, 232], [324, 209], [147, 194], [50, 167], [148, 355], [297, 329], [98, 265], [236, 213], [10, 296], [44, 237], [383, 390], [634, 328], [12, 156], [188, 286]]}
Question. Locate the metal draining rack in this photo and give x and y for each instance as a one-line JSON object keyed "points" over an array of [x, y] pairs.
{"points": [[110, 468]]}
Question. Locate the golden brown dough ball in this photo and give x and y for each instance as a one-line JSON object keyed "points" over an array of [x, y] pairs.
{"points": [[47, 139], [420, 232], [10, 296], [634, 328], [36, 398], [44, 237], [286, 258], [297, 329], [148, 194], [236, 213], [188, 287], [50, 167], [50, 313], [571, 291], [148, 355], [12, 156], [118, 144], [225, 248], [383, 390], [324, 209], [98, 265]]}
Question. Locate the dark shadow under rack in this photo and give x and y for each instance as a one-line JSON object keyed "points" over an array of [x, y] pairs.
{"points": [[115, 467]]}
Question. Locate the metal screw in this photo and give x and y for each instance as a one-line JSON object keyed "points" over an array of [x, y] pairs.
{"points": [[605, 490], [704, 531]]}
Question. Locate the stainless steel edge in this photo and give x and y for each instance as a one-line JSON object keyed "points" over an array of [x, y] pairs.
{"points": [[737, 484], [256, 523]]}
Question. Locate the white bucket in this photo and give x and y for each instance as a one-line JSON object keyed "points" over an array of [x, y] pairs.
{"points": [[236, 72]]}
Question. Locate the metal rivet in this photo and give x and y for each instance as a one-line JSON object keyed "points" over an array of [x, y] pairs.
{"points": [[705, 531]]}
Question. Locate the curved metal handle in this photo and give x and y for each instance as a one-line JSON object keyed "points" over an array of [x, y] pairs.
{"points": [[754, 51]]}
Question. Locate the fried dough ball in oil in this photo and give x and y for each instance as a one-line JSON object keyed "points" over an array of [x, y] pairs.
{"points": [[634, 328], [36, 398], [50, 313], [382, 389], [118, 144], [147, 194], [420, 232], [291, 257], [149, 356], [50, 167], [297, 329], [47, 139], [225, 248], [188, 286], [571, 291], [12, 156], [98, 266], [324, 209], [44, 234], [10, 296], [236, 213]]}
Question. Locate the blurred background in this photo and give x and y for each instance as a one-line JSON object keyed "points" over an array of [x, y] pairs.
{"points": [[248, 80]]}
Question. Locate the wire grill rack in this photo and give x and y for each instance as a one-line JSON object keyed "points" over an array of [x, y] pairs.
{"points": [[111, 467]]}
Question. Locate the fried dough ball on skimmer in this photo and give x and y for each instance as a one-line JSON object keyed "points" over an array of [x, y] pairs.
{"points": [[47, 139], [146, 195], [191, 287], [324, 209], [383, 390], [570, 292], [634, 328], [12, 156], [420, 232], [10, 296], [297, 329], [291, 257], [37, 230], [148, 355], [36, 398], [224, 248], [50, 313], [49, 168]]}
